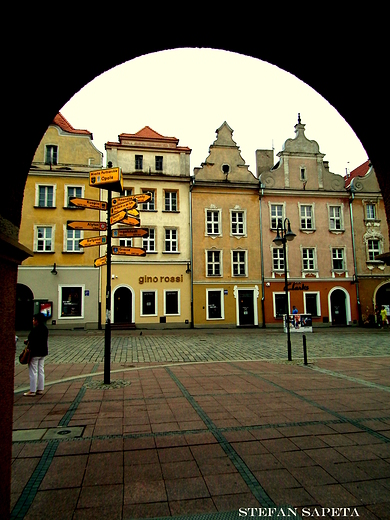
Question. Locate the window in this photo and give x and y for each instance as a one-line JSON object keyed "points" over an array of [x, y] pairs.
{"points": [[139, 161], [338, 259], [213, 263], [51, 156], [312, 303], [215, 304], [335, 221], [239, 263], [45, 197], [237, 222], [151, 205], [71, 302], [73, 191], [43, 239], [306, 217], [159, 163], [280, 304], [171, 201], [171, 303], [126, 242], [213, 222], [373, 248], [149, 243], [276, 215], [72, 240], [370, 212], [148, 303], [171, 241], [302, 173], [278, 259], [308, 259]]}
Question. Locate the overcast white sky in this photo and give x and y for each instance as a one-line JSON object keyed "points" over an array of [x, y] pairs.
{"points": [[189, 93]]}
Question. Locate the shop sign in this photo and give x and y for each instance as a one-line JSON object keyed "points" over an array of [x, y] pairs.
{"points": [[292, 286], [160, 279]]}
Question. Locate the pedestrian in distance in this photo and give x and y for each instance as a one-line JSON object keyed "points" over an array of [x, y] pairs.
{"points": [[384, 316], [38, 346]]}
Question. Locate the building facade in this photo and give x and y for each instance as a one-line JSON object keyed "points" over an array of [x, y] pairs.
{"points": [[371, 239], [320, 259], [153, 291], [226, 266], [60, 272]]}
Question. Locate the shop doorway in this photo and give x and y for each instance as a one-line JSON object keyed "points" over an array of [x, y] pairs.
{"points": [[123, 307], [338, 307], [246, 312], [382, 296], [24, 307]]}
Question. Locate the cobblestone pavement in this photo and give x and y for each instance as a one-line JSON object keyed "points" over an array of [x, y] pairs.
{"points": [[191, 345]]}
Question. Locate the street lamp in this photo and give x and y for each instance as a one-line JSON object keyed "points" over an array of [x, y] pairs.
{"points": [[281, 239]]}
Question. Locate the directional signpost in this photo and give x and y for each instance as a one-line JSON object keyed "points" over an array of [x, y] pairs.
{"points": [[119, 209]]}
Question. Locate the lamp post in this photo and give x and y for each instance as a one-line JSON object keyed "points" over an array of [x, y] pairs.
{"points": [[283, 235]]}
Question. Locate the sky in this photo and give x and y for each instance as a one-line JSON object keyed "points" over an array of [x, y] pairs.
{"points": [[189, 93]]}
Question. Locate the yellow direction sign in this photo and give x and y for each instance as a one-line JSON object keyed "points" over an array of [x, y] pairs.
{"points": [[129, 232], [128, 204], [87, 225], [140, 197], [98, 262], [118, 217], [129, 251], [131, 221], [93, 241], [87, 203], [109, 179]]}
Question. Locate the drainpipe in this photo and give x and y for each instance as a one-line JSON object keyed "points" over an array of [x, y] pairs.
{"points": [[354, 256], [261, 193], [192, 181]]}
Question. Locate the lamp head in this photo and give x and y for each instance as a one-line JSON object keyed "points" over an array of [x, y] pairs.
{"points": [[289, 234], [278, 240]]}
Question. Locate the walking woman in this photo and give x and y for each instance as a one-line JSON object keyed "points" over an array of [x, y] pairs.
{"points": [[38, 346]]}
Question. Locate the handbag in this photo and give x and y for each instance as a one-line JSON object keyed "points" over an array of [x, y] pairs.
{"points": [[25, 356]]}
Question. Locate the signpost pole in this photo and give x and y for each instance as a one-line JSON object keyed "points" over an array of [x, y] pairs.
{"points": [[107, 332]]}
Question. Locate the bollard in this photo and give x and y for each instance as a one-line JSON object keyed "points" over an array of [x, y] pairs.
{"points": [[304, 350]]}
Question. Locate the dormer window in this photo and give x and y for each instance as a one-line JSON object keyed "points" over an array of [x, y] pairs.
{"points": [[302, 174], [51, 155]]}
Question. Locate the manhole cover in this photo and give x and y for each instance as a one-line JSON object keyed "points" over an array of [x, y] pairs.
{"points": [[63, 433]]}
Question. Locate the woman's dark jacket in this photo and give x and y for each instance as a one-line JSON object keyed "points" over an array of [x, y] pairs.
{"points": [[37, 341]]}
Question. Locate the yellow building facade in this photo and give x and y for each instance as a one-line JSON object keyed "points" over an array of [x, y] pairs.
{"points": [[225, 236], [59, 279], [153, 291]]}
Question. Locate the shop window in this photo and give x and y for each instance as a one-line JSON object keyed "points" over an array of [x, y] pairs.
{"points": [[312, 303], [148, 303], [171, 303], [71, 302], [215, 307]]}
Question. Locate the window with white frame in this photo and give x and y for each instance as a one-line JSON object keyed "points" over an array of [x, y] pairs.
{"points": [[335, 218], [51, 154], [213, 263], [373, 248], [171, 303], [215, 304], [72, 191], [237, 223], [45, 196], [306, 216], [312, 303], [171, 245], [126, 242], [73, 236], [338, 259], [43, 239], [171, 201], [308, 258], [279, 301], [151, 205], [277, 259], [276, 215], [239, 263], [213, 222], [148, 303], [149, 243]]}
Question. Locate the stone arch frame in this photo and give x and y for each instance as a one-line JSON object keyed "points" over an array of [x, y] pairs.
{"points": [[347, 303], [132, 297]]}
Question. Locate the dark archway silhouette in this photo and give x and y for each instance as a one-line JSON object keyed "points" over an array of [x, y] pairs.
{"points": [[50, 58]]}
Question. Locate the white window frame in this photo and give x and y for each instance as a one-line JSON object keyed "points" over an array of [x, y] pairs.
{"points": [[60, 300], [274, 303], [221, 291], [214, 222], [213, 263], [276, 217], [146, 242], [332, 219], [368, 250], [67, 187], [344, 268], [174, 242], [51, 146], [173, 200], [280, 250], [239, 262], [151, 204], [305, 218], [155, 302], [370, 205], [314, 259], [73, 239], [317, 293], [43, 185], [233, 222], [45, 226], [178, 302]]}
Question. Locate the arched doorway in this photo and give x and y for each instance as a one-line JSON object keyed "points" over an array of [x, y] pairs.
{"points": [[123, 307], [382, 296], [338, 307], [24, 307]]}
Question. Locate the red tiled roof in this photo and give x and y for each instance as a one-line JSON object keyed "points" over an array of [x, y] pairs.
{"points": [[148, 134], [60, 121], [360, 171]]}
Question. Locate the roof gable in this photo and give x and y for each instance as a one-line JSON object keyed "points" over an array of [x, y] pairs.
{"points": [[60, 121]]}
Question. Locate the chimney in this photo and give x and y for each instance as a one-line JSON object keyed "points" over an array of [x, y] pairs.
{"points": [[264, 161]]}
